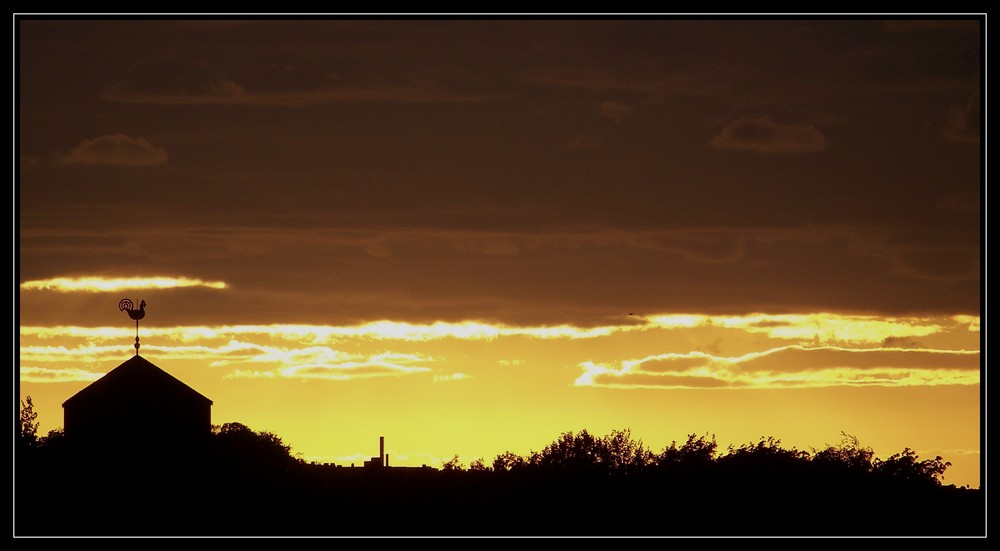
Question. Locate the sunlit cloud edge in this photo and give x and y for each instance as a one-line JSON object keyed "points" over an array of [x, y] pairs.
{"points": [[98, 284], [32, 374], [724, 372], [816, 327]]}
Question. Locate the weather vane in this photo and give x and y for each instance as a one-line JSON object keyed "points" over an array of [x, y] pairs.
{"points": [[137, 314]]}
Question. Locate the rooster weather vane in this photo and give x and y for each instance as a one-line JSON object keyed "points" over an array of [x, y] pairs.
{"points": [[135, 313]]}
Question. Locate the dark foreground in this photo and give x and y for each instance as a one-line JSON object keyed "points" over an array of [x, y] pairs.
{"points": [[89, 498]]}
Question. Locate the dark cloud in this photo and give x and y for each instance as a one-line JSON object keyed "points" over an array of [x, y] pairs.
{"points": [[283, 81], [676, 363], [712, 246], [583, 141], [225, 92], [116, 149], [767, 324], [343, 372], [27, 162], [171, 79], [791, 366], [796, 359], [907, 25], [494, 245], [940, 265], [901, 342], [964, 121], [646, 380], [383, 194], [763, 135], [944, 256], [960, 202], [343, 275], [614, 111]]}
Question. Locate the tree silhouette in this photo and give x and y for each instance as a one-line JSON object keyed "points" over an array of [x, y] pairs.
{"points": [[767, 452], [508, 461], [452, 465], [27, 433], [238, 445], [258, 488], [906, 467], [572, 452], [623, 454], [478, 465], [696, 451], [54, 440], [765, 462], [846, 463]]}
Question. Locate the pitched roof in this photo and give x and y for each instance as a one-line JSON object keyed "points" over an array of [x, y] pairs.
{"points": [[136, 377]]}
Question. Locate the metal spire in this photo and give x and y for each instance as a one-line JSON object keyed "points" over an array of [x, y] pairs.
{"points": [[125, 305]]}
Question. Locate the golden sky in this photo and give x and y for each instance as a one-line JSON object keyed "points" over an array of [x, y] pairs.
{"points": [[470, 236]]}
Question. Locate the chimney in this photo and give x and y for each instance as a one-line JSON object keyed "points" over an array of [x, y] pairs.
{"points": [[381, 450], [386, 460]]}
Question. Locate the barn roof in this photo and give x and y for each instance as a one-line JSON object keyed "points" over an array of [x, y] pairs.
{"points": [[136, 377]]}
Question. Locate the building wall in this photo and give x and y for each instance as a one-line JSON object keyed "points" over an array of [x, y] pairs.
{"points": [[140, 423]]}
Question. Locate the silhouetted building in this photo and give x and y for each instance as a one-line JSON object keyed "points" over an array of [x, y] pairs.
{"points": [[382, 460], [138, 408]]}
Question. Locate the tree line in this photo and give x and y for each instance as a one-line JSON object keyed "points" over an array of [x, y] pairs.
{"points": [[247, 482], [617, 453]]}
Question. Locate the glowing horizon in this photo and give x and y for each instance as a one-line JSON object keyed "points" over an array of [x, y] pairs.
{"points": [[754, 353]]}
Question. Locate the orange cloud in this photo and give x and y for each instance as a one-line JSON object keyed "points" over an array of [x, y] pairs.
{"points": [[615, 111], [965, 121], [226, 92], [116, 149], [583, 141], [763, 135]]}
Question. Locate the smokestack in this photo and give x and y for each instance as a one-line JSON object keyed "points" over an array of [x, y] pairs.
{"points": [[386, 460], [381, 450]]}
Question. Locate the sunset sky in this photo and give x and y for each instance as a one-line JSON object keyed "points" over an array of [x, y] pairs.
{"points": [[470, 236]]}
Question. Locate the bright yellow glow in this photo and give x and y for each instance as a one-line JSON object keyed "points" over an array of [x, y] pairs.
{"points": [[241, 374], [447, 377], [104, 284], [971, 321], [478, 389]]}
